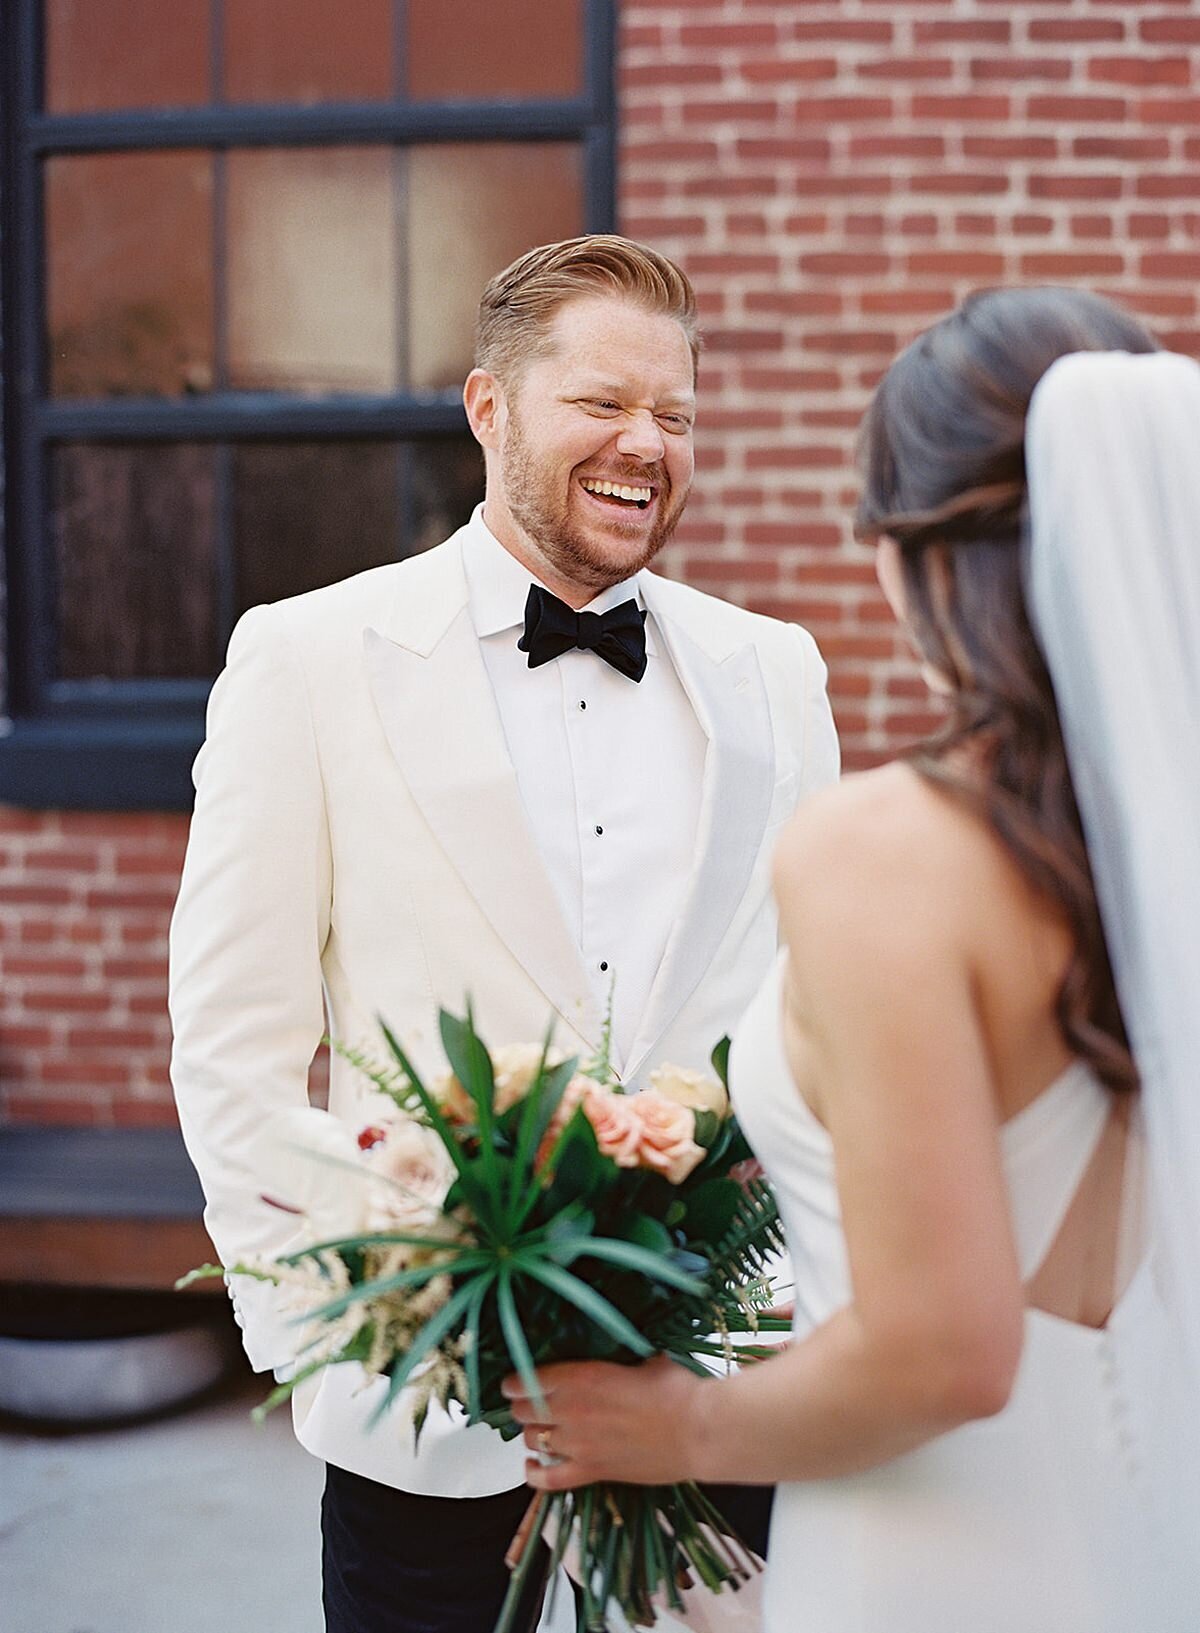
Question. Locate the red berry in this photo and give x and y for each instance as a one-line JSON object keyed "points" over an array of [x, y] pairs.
{"points": [[371, 1136]]}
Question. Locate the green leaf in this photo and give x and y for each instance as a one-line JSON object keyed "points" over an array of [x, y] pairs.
{"points": [[590, 1303], [720, 1060], [711, 1210], [514, 1337], [479, 1291], [632, 1257]]}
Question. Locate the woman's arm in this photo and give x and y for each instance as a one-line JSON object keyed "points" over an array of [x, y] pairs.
{"points": [[879, 898]]}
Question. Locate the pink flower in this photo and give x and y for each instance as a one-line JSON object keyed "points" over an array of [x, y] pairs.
{"points": [[666, 1140]]}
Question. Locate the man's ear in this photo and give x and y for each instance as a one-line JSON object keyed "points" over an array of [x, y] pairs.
{"points": [[487, 410]]}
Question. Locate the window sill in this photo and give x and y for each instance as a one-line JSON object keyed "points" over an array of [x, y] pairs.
{"points": [[99, 765]]}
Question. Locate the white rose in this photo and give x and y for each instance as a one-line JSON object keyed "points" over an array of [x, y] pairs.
{"points": [[691, 1089], [418, 1168]]}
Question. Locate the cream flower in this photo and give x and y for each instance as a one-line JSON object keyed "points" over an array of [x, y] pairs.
{"points": [[692, 1089]]}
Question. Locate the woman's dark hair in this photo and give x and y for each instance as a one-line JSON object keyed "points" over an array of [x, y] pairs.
{"points": [[943, 465]]}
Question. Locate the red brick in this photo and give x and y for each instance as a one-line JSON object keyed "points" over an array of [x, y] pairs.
{"points": [[670, 152], [1091, 226], [85, 1072], [1142, 224], [846, 263], [791, 149], [49, 967], [980, 31], [1010, 147], [974, 224], [72, 1002], [669, 73], [842, 110], [906, 68], [84, 1112], [851, 341], [1140, 70], [110, 1037], [158, 1113], [840, 185], [897, 146], [795, 302], [1066, 109], [792, 458], [1169, 110], [714, 185], [25, 1037], [1121, 147], [726, 36], [1170, 264], [791, 379], [1070, 264], [1170, 30], [907, 300], [1057, 185], [950, 183], [1075, 30], [956, 263], [799, 70], [839, 29], [743, 340], [13, 821], [654, 227], [1153, 184], [1025, 224], [944, 108], [739, 109], [985, 69]]}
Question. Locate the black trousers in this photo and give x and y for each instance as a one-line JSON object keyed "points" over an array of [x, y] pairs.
{"points": [[398, 1563]]}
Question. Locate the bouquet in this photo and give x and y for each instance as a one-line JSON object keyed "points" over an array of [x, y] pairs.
{"points": [[528, 1210]]}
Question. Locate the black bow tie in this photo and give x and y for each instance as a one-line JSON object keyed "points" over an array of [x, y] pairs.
{"points": [[552, 628]]}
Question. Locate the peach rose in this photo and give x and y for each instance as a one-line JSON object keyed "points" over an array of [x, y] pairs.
{"points": [[665, 1142], [617, 1127], [691, 1089]]}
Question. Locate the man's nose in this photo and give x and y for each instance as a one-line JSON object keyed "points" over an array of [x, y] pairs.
{"points": [[641, 437]]}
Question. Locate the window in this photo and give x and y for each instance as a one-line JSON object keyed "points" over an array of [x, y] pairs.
{"points": [[243, 245]]}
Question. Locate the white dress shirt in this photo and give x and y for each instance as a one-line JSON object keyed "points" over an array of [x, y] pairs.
{"points": [[610, 772]]}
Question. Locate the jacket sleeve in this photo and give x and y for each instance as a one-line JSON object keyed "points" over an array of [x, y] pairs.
{"points": [[821, 758], [247, 936]]}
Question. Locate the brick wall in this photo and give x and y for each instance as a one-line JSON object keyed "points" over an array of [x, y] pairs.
{"points": [[833, 174]]}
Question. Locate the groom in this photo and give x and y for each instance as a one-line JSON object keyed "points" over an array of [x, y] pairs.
{"points": [[519, 767]]}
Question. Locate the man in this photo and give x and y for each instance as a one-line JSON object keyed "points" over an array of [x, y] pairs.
{"points": [[434, 780]]}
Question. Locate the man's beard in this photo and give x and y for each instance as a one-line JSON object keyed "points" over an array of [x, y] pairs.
{"points": [[542, 513]]}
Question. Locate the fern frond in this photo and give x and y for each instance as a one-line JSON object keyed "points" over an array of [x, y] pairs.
{"points": [[390, 1080]]}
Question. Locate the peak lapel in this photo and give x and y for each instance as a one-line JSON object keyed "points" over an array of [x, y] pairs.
{"points": [[439, 715]]}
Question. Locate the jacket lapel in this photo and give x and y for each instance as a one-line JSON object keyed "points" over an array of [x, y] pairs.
{"points": [[729, 696], [439, 716]]}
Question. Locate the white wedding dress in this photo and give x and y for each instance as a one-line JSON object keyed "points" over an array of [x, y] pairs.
{"points": [[1047, 1518]]}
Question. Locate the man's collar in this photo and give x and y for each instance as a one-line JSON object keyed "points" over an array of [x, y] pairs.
{"points": [[498, 585]]}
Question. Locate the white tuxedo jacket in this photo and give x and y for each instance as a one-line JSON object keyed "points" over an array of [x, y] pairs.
{"points": [[359, 849]]}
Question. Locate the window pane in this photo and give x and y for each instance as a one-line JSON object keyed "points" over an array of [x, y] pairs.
{"points": [[308, 50], [494, 48], [128, 254], [310, 513], [136, 54], [473, 208], [312, 269], [133, 531]]}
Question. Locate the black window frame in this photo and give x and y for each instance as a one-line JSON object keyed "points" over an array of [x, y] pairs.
{"points": [[129, 745]]}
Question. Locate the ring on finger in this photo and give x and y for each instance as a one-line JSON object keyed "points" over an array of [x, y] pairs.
{"points": [[545, 1452]]}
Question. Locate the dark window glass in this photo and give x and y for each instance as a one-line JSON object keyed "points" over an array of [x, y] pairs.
{"points": [[506, 48], [306, 514], [472, 208], [313, 252], [133, 531], [108, 54], [309, 50], [128, 271]]}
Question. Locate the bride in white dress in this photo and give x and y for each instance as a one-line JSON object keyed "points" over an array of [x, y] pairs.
{"points": [[986, 1421]]}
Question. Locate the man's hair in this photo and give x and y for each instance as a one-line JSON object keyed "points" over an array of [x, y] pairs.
{"points": [[519, 303]]}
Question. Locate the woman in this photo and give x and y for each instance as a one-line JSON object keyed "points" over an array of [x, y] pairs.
{"points": [[971, 1427]]}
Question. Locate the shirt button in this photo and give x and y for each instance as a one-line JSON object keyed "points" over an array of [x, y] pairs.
{"points": [[582, 704], [604, 963], [599, 829]]}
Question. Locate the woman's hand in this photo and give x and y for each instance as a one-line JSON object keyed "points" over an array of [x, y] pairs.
{"points": [[636, 1425]]}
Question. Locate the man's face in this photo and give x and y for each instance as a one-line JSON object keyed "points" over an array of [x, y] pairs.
{"points": [[611, 406]]}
